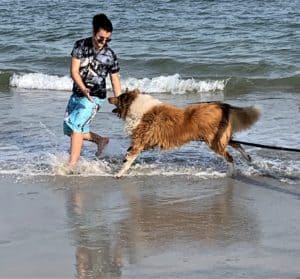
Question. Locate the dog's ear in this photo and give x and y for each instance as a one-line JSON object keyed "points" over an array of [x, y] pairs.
{"points": [[115, 110]]}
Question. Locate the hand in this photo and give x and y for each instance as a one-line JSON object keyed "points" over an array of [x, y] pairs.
{"points": [[86, 93]]}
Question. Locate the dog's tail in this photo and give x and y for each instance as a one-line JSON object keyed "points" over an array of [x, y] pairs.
{"points": [[243, 118]]}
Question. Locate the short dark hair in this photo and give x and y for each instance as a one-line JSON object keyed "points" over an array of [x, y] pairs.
{"points": [[103, 22]]}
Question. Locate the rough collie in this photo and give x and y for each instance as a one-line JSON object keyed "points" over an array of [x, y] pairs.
{"points": [[152, 123]]}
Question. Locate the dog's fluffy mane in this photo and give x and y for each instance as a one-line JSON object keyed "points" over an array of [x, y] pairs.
{"points": [[140, 105]]}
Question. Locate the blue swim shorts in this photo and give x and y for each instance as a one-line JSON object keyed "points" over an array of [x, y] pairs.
{"points": [[79, 114]]}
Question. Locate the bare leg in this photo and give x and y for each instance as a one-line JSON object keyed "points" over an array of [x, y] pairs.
{"points": [[100, 141], [101, 146], [76, 144]]}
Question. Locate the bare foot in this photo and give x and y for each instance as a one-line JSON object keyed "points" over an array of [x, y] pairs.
{"points": [[101, 146], [69, 169]]}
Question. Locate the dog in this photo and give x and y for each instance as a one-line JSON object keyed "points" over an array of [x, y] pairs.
{"points": [[151, 123]]}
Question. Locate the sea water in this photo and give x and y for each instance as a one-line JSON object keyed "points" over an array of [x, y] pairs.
{"points": [[240, 52]]}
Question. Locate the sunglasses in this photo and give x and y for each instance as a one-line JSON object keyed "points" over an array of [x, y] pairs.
{"points": [[101, 40]]}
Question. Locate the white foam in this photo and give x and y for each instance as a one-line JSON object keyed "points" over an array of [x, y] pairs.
{"points": [[171, 84], [41, 81], [174, 84], [55, 164], [85, 167]]}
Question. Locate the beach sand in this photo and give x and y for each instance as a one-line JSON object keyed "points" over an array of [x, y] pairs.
{"points": [[149, 227]]}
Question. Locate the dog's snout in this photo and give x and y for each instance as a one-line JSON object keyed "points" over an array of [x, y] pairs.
{"points": [[113, 100], [110, 100]]}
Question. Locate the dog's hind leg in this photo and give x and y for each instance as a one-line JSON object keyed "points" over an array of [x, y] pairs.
{"points": [[231, 170], [221, 150], [239, 148], [129, 159], [219, 146], [229, 159]]}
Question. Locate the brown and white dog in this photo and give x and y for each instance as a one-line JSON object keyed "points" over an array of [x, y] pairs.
{"points": [[151, 123]]}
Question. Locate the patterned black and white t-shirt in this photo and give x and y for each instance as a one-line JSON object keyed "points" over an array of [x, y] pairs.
{"points": [[95, 65]]}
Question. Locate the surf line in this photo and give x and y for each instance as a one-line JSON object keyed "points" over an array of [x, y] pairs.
{"points": [[266, 146]]}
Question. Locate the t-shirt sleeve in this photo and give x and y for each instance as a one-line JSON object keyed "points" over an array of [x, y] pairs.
{"points": [[77, 50], [115, 67]]}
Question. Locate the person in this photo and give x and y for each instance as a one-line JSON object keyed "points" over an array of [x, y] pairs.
{"points": [[92, 61]]}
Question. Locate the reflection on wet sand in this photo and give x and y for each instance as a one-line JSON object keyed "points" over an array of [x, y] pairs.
{"points": [[97, 249], [130, 220]]}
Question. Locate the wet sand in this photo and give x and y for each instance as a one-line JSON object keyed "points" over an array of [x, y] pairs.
{"points": [[149, 227]]}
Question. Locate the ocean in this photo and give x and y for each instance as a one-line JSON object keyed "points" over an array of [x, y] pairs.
{"points": [[240, 52]]}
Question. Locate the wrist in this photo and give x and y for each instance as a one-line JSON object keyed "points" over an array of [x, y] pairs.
{"points": [[85, 91]]}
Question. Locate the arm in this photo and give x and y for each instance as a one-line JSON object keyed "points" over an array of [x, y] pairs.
{"points": [[116, 84], [74, 71]]}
